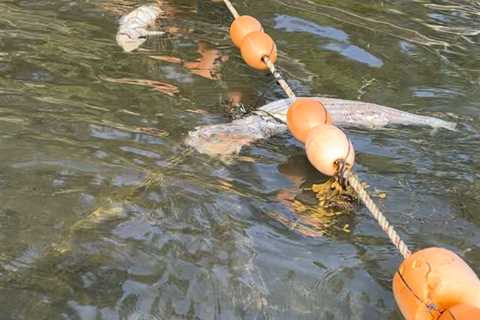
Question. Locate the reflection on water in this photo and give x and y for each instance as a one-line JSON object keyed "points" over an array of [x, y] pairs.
{"points": [[106, 215], [341, 45]]}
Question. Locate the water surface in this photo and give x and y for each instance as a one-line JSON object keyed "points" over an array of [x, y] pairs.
{"points": [[107, 215]]}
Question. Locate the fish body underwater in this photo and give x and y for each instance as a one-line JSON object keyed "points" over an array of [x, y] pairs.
{"points": [[270, 119], [358, 114]]}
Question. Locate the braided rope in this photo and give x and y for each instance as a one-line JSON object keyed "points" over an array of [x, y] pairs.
{"points": [[352, 179], [288, 91], [232, 9], [363, 195]]}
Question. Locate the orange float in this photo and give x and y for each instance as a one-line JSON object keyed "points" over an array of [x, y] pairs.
{"points": [[241, 27], [255, 46], [305, 114], [461, 312], [432, 281], [325, 145]]}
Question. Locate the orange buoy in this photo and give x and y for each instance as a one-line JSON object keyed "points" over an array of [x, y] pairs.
{"points": [[305, 114], [461, 312], [434, 277], [255, 46], [325, 145], [241, 27]]}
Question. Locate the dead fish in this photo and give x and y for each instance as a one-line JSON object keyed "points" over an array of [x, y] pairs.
{"points": [[358, 114], [134, 28], [228, 138]]}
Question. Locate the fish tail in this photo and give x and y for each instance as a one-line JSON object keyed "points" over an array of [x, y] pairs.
{"points": [[451, 126]]}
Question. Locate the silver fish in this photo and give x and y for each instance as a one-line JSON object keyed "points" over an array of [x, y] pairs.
{"points": [[228, 138]]}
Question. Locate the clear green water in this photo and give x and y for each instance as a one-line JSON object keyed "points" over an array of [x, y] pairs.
{"points": [[100, 221]]}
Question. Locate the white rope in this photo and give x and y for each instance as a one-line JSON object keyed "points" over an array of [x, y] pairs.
{"points": [[363, 195], [232, 9]]}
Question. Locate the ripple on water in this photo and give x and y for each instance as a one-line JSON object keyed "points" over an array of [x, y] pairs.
{"points": [[105, 214]]}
